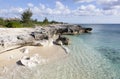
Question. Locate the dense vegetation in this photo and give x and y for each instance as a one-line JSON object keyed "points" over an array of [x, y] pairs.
{"points": [[24, 21]]}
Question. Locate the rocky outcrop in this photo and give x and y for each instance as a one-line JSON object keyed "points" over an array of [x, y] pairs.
{"points": [[36, 37], [62, 40], [39, 36], [87, 30], [68, 29]]}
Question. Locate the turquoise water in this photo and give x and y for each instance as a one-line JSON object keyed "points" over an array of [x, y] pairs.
{"points": [[106, 40], [92, 56]]}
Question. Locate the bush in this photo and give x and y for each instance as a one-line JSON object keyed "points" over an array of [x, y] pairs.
{"points": [[14, 24], [28, 24], [2, 21]]}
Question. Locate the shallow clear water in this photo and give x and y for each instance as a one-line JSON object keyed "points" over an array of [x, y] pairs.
{"points": [[92, 56]]}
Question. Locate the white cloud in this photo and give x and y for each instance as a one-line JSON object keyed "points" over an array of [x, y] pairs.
{"points": [[107, 4], [59, 5], [11, 12], [88, 10], [107, 1], [110, 7], [62, 10], [88, 7], [42, 6], [114, 10], [3, 11], [16, 10], [58, 10], [116, 7], [82, 1], [30, 5], [107, 7]]}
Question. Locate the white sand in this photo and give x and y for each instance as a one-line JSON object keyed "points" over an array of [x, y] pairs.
{"points": [[49, 52]]}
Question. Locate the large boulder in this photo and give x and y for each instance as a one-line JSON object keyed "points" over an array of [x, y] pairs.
{"points": [[24, 39], [62, 41], [44, 32], [39, 35]]}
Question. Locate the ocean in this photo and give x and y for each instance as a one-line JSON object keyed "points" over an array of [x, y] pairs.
{"points": [[94, 55]]}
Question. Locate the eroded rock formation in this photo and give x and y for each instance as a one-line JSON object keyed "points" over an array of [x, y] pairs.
{"points": [[36, 36]]}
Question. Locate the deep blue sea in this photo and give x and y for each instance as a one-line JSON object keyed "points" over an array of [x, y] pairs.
{"points": [[94, 55]]}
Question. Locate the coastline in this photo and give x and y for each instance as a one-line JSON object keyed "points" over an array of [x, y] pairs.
{"points": [[10, 53], [30, 47]]}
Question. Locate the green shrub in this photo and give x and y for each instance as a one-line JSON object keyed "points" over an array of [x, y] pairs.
{"points": [[2, 21], [28, 24], [14, 24]]}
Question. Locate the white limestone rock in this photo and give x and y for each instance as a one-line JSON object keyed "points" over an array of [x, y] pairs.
{"points": [[32, 61]]}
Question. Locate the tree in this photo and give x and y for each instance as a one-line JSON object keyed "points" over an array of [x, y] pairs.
{"points": [[26, 16], [45, 21]]}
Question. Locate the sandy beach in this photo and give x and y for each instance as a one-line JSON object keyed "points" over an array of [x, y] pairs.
{"points": [[48, 53], [14, 48]]}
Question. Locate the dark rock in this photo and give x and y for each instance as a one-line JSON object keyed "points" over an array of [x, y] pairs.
{"points": [[87, 30], [63, 40], [69, 29], [19, 63], [39, 36]]}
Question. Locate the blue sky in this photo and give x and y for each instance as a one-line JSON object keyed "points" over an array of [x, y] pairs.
{"points": [[72, 11]]}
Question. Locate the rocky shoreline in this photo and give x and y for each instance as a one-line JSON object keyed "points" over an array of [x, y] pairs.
{"points": [[38, 36], [17, 41]]}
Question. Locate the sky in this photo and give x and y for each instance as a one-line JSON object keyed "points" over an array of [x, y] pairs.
{"points": [[71, 11]]}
